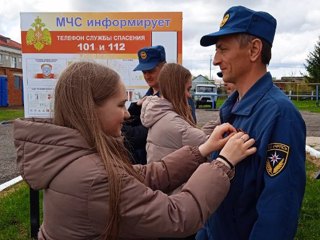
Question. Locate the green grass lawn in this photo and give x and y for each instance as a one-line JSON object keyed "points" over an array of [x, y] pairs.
{"points": [[14, 208], [309, 221], [15, 221], [10, 113], [307, 105]]}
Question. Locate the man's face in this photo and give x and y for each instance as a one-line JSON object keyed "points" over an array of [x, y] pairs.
{"points": [[233, 60], [151, 76]]}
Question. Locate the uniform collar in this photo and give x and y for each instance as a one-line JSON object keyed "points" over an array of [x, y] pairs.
{"points": [[150, 92], [250, 99]]}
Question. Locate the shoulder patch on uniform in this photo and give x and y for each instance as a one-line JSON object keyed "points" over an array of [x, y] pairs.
{"points": [[277, 157]]}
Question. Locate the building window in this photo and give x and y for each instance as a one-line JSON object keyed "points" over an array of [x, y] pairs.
{"points": [[14, 62], [17, 82]]}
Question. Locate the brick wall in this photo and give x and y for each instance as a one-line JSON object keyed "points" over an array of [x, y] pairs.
{"points": [[14, 76]]}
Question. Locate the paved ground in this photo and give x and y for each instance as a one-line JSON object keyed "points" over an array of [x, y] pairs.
{"points": [[8, 155]]}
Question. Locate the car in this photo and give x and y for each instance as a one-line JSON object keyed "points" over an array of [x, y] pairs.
{"points": [[205, 94], [203, 100]]}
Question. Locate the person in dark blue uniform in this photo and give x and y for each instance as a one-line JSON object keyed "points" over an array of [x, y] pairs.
{"points": [[267, 192], [151, 60]]}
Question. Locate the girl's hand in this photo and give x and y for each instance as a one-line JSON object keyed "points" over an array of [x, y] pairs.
{"points": [[238, 147], [218, 138]]}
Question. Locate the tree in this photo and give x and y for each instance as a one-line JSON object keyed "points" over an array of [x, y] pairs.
{"points": [[313, 65]]}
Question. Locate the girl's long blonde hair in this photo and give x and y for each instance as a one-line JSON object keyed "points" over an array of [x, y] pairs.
{"points": [[173, 78], [80, 89]]}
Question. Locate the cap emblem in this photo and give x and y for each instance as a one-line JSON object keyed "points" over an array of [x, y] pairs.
{"points": [[143, 55], [224, 20]]}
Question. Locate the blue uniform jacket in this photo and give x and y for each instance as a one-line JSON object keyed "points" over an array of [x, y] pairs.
{"points": [[267, 191]]}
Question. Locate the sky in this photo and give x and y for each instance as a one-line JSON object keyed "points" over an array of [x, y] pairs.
{"points": [[298, 25]]}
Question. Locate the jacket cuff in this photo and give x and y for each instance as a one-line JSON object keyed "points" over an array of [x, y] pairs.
{"points": [[199, 158], [229, 172]]}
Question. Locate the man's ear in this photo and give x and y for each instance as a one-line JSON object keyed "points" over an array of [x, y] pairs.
{"points": [[255, 49]]}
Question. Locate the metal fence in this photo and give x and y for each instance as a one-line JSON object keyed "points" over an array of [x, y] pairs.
{"points": [[294, 90], [300, 91]]}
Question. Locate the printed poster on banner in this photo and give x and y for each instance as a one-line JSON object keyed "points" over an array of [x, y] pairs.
{"points": [[52, 41]]}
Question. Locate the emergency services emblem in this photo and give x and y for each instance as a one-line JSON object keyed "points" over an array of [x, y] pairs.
{"points": [[224, 20], [39, 36], [143, 55], [277, 157]]}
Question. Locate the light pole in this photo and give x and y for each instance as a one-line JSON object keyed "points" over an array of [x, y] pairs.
{"points": [[210, 63]]}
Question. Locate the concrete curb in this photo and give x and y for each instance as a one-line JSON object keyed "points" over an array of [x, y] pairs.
{"points": [[10, 183], [313, 152]]}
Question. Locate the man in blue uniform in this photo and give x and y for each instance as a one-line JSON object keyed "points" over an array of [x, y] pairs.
{"points": [[151, 60], [267, 191]]}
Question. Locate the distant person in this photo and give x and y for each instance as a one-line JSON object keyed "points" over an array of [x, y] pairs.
{"points": [[91, 191], [151, 60], [266, 195], [169, 118], [229, 87]]}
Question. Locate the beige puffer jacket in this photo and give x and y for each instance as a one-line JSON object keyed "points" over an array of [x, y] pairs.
{"points": [[168, 131], [75, 183]]}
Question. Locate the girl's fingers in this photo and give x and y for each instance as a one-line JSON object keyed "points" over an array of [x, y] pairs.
{"points": [[249, 142]]}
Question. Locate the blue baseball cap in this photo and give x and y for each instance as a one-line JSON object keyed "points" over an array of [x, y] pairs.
{"points": [[150, 57], [239, 19]]}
